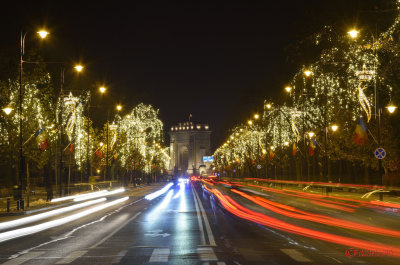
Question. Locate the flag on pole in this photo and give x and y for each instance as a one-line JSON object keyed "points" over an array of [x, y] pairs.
{"points": [[41, 138], [99, 153], [271, 154], [71, 147], [313, 145], [360, 133], [294, 151]]}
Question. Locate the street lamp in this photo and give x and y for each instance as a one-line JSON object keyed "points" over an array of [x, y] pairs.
{"points": [[311, 134], [7, 110], [43, 35], [307, 73], [268, 106], [334, 127], [391, 108], [256, 116], [118, 107], [102, 89], [78, 68], [250, 122], [288, 89], [353, 33]]}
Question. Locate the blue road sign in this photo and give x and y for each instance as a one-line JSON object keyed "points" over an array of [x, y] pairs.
{"points": [[380, 153]]}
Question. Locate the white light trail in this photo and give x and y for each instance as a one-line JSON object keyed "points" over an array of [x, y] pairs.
{"points": [[77, 196], [47, 225], [92, 196], [37, 217], [154, 195]]}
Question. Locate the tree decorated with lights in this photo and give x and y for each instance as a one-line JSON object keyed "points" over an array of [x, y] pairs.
{"points": [[348, 82], [140, 132]]}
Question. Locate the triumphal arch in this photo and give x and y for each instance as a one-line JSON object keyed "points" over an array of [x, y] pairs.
{"points": [[190, 149]]}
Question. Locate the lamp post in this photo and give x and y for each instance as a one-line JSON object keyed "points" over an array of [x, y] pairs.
{"points": [[42, 35]]}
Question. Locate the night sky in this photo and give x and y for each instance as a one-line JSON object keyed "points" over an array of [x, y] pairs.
{"points": [[217, 61]]}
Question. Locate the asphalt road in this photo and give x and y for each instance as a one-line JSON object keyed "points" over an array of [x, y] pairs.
{"points": [[188, 225]]}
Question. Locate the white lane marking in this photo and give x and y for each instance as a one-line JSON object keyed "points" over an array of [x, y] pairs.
{"points": [[23, 258], [206, 254], [116, 230], [160, 255], [119, 256], [296, 255], [72, 256], [202, 236], [208, 228]]}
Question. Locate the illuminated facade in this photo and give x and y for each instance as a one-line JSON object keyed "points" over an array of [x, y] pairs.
{"points": [[188, 144]]}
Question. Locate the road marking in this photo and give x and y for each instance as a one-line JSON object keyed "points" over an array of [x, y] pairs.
{"points": [[202, 236], [221, 263], [208, 228], [119, 256], [206, 254], [160, 255], [116, 230], [23, 258], [72, 256], [296, 255]]}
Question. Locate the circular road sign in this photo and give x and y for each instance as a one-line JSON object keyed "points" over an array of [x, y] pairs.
{"points": [[259, 166], [380, 153]]}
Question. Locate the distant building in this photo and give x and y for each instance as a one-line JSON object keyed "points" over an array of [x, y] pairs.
{"points": [[189, 143]]}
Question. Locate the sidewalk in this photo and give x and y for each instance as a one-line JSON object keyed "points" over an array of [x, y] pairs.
{"points": [[38, 201]]}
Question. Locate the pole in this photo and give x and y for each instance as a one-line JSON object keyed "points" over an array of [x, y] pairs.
{"points": [[107, 151], [21, 160], [61, 134], [88, 142]]}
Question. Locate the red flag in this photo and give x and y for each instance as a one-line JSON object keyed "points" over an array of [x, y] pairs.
{"points": [[271, 154], [71, 148], [294, 151], [99, 153], [312, 147]]}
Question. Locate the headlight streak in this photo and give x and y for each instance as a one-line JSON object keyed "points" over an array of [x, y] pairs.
{"points": [[47, 225], [181, 190], [242, 212], [158, 193], [317, 218], [77, 196], [154, 214], [92, 196], [37, 217]]}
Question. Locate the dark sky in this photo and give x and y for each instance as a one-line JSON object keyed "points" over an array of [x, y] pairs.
{"points": [[217, 61]]}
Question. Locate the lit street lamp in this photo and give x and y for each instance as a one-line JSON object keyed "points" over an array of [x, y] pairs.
{"points": [[43, 35]]}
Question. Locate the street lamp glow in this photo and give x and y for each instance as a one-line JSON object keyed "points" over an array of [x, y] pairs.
{"points": [[286, 143], [391, 108], [311, 134], [102, 89], [256, 116], [7, 110], [119, 107], [78, 68], [43, 34], [101, 143], [307, 73], [268, 106], [264, 151], [272, 147], [232, 137], [353, 33], [288, 89], [334, 127], [250, 122]]}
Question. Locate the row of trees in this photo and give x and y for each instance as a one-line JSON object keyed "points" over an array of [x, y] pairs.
{"points": [[318, 133], [60, 143]]}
